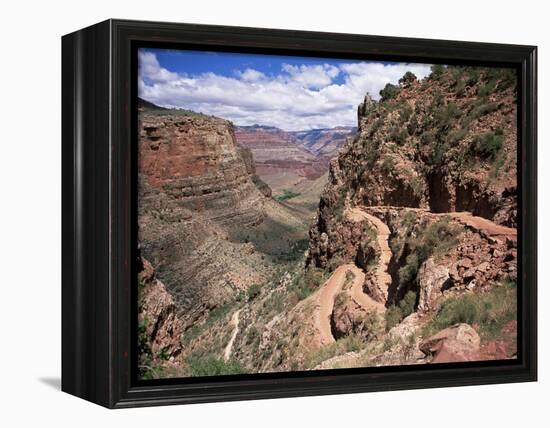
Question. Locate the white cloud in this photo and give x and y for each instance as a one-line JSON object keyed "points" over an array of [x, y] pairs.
{"points": [[300, 97], [251, 75], [150, 68], [312, 76]]}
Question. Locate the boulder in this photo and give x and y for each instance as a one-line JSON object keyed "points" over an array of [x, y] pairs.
{"points": [[453, 344], [431, 279]]}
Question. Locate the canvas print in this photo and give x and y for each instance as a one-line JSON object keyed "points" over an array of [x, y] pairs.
{"points": [[300, 213]]}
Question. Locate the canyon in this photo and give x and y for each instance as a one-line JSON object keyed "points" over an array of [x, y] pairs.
{"points": [[393, 243], [293, 161]]}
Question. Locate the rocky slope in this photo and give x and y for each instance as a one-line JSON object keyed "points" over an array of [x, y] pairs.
{"points": [[160, 330], [444, 144]]}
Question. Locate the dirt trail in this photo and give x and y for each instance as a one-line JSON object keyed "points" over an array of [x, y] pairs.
{"points": [[383, 277], [326, 301], [477, 223], [359, 296], [235, 323], [483, 225], [329, 291]]}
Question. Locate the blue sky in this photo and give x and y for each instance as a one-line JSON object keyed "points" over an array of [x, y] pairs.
{"points": [[292, 93]]}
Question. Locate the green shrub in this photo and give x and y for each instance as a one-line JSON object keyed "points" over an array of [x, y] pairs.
{"points": [[437, 71], [393, 316], [472, 75], [409, 218], [253, 291], [407, 78], [460, 87], [413, 126], [408, 303], [405, 113], [481, 109], [376, 126], [508, 79], [486, 89], [287, 194], [444, 116], [208, 365], [407, 273], [396, 313], [489, 145], [490, 311], [456, 135], [304, 284], [390, 91], [372, 325], [399, 135], [163, 354], [349, 343], [388, 164]]}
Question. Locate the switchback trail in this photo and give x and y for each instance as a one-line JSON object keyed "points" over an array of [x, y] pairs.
{"points": [[384, 279], [329, 291], [326, 300], [235, 323]]}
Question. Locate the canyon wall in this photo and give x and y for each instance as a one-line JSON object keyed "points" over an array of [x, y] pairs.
{"points": [[196, 187], [278, 152], [195, 160]]}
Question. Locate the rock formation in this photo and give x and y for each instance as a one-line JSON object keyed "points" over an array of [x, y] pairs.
{"points": [[195, 160], [454, 344]]}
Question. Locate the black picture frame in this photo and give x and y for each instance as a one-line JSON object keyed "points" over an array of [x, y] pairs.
{"points": [[99, 213]]}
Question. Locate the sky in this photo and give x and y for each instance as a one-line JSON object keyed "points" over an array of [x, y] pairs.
{"points": [[291, 93]]}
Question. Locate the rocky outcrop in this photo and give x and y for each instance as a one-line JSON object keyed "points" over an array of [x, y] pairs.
{"points": [[196, 161], [454, 344], [160, 329], [250, 165], [441, 253], [431, 280], [349, 318]]}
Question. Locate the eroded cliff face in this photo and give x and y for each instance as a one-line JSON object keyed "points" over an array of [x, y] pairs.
{"points": [[195, 160], [197, 187]]}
